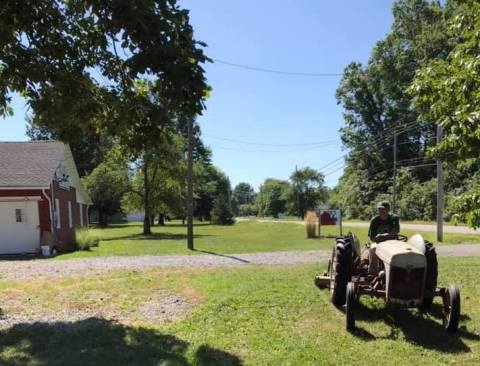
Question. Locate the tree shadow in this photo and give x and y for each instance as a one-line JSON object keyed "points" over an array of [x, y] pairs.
{"points": [[97, 341], [425, 330], [223, 255]]}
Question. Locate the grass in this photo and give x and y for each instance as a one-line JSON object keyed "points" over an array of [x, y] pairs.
{"points": [[243, 316], [243, 237]]}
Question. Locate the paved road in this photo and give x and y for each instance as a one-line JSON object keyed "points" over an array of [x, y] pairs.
{"points": [[418, 227], [33, 269]]}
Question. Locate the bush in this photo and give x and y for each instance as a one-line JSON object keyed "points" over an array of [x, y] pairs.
{"points": [[222, 213], [85, 239], [311, 223]]}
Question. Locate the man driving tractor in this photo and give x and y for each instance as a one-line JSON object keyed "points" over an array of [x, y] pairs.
{"points": [[381, 226], [383, 223]]}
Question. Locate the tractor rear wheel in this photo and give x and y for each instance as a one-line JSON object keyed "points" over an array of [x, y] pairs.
{"points": [[431, 276], [341, 270], [350, 307], [451, 308]]}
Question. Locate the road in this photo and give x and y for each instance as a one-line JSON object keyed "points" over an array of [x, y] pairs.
{"points": [[418, 227]]}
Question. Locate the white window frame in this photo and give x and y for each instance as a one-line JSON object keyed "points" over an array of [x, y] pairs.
{"points": [[81, 214], [58, 218], [70, 221]]}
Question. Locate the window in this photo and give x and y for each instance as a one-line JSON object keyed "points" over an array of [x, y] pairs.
{"points": [[81, 214], [70, 223], [18, 215], [57, 214]]}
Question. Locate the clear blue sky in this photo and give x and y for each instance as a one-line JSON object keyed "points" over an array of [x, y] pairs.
{"points": [[311, 36]]}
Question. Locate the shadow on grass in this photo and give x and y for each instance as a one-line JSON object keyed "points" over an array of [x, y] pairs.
{"points": [[425, 330], [96, 341], [223, 255]]}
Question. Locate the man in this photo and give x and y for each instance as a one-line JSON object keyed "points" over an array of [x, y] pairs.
{"points": [[383, 223]]}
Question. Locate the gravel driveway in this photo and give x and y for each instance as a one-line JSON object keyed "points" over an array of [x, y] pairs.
{"points": [[31, 269]]}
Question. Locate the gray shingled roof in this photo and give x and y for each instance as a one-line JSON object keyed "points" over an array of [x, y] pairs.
{"points": [[29, 164]]}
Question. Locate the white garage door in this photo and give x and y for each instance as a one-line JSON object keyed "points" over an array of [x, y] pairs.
{"points": [[19, 227]]}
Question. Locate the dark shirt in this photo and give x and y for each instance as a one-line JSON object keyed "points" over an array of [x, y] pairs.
{"points": [[379, 226]]}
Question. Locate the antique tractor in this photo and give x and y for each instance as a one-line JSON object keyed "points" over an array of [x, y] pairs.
{"points": [[399, 270]]}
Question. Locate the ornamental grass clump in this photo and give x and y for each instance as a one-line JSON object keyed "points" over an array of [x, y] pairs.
{"points": [[85, 239], [311, 223]]}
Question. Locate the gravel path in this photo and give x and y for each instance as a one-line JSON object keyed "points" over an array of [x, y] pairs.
{"points": [[32, 269]]}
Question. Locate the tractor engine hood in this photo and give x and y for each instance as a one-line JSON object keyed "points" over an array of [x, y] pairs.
{"points": [[396, 253]]}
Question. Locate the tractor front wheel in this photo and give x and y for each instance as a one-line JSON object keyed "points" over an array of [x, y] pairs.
{"points": [[451, 308], [341, 270], [350, 307]]}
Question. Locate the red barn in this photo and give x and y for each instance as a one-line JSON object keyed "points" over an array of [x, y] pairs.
{"points": [[41, 197]]}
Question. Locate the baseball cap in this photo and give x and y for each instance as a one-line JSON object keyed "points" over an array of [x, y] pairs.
{"points": [[384, 204]]}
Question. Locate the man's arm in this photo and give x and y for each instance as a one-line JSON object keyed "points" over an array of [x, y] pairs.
{"points": [[372, 230]]}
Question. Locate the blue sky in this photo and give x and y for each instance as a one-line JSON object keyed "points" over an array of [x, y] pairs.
{"points": [[311, 36]]}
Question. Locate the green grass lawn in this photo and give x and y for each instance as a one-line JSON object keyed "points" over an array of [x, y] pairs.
{"points": [[240, 316], [242, 237]]}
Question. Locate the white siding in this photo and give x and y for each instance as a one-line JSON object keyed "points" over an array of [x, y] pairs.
{"points": [[70, 222], [81, 213], [58, 223]]}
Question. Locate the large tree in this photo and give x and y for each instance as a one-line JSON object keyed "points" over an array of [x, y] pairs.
{"points": [[377, 105], [308, 191], [447, 91], [272, 197]]}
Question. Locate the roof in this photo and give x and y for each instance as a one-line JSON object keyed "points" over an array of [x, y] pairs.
{"points": [[29, 164]]}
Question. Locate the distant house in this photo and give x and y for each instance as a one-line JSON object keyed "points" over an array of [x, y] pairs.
{"points": [[41, 197]]}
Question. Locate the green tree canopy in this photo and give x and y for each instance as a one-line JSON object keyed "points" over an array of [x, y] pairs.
{"points": [[107, 184], [308, 190]]}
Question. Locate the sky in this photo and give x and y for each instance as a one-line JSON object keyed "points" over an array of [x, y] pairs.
{"points": [[261, 124]]}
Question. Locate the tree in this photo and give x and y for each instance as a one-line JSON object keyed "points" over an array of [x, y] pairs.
{"points": [[377, 105], [243, 195], [107, 184], [447, 91], [222, 213], [272, 197], [308, 190], [76, 62]]}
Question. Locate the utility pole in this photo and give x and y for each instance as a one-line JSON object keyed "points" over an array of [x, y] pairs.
{"points": [[190, 185], [394, 199], [439, 189]]}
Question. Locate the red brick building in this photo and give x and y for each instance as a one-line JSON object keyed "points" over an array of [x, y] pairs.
{"points": [[42, 201]]}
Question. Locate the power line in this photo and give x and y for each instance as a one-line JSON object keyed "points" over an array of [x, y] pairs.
{"points": [[270, 151], [326, 142], [272, 71]]}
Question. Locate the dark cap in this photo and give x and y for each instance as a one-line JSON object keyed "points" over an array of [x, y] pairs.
{"points": [[384, 204]]}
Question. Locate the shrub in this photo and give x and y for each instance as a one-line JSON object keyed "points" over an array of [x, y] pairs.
{"points": [[222, 213], [85, 239], [311, 223]]}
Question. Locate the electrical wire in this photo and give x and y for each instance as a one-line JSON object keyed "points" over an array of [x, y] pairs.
{"points": [[272, 71], [270, 144]]}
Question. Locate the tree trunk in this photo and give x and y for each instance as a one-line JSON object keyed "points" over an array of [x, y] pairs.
{"points": [[146, 198], [161, 220], [102, 218], [152, 220]]}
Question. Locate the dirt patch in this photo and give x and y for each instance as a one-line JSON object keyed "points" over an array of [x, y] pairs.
{"points": [[160, 308]]}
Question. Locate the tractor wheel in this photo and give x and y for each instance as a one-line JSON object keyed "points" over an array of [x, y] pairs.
{"points": [[341, 270], [451, 308], [431, 276], [350, 307]]}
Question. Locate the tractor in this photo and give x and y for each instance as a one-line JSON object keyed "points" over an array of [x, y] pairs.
{"points": [[399, 270]]}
